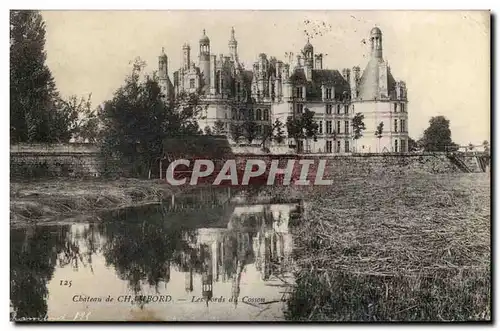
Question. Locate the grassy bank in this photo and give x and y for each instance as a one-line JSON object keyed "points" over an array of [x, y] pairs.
{"points": [[43, 201], [399, 248]]}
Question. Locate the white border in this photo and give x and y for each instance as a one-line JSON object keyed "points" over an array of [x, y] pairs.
{"points": [[190, 4]]}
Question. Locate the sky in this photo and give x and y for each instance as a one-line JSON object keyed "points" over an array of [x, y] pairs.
{"points": [[443, 56]]}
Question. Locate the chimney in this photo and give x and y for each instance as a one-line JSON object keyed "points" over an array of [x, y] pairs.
{"points": [[318, 61], [346, 73], [354, 80]]}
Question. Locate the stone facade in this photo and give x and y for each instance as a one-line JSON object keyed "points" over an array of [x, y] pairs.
{"points": [[273, 89]]}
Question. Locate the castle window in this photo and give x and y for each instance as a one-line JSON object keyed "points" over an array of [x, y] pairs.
{"points": [[320, 126], [191, 83], [403, 145], [396, 145], [346, 146], [328, 93], [328, 109], [259, 115], [300, 108], [346, 126], [266, 114], [328, 146], [298, 92], [402, 125], [234, 114], [328, 126], [259, 129], [395, 125], [338, 109], [338, 126], [395, 107], [346, 109], [338, 146], [251, 114], [402, 107]]}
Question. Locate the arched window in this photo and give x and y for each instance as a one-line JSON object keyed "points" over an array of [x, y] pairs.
{"points": [[266, 114], [259, 115]]}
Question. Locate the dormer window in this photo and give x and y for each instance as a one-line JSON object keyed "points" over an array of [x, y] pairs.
{"points": [[191, 83], [328, 93], [298, 92]]}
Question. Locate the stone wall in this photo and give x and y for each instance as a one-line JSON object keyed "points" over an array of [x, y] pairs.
{"points": [[80, 160], [55, 160]]}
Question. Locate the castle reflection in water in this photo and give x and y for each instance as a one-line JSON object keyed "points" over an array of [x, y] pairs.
{"points": [[256, 234]]}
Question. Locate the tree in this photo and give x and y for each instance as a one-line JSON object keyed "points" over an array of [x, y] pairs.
{"points": [[279, 132], [35, 108], [236, 132], [207, 131], [358, 126], [412, 145], [437, 137], [82, 123], [486, 146], [138, 119], [267, 134], [302, 127], [378, 133], [218, 128], [249, 127]]}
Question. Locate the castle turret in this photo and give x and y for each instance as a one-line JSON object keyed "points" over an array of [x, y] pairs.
{"points": [[205, 60], [376, 43], [163, 73], [233, 47], [186, 56], [308, 60]]}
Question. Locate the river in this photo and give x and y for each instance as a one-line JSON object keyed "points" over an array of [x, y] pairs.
{"points": [[181, 260]]}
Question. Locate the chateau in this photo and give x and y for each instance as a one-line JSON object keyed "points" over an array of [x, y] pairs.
{"points": [[273, 89]]}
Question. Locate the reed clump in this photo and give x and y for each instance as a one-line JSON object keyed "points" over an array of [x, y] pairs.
{"points": [[402, 248]]}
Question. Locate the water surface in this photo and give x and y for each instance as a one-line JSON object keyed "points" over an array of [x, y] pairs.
{"points": [[193, 261]]}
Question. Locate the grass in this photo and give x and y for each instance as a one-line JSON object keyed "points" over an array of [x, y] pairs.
{"points": [[43, 201], [395, 248]]}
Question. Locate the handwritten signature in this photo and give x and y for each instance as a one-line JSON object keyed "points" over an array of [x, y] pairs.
{"points": [[79, 316]]}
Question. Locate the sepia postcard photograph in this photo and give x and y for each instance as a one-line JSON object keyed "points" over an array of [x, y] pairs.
{"points": [[250, 165]]}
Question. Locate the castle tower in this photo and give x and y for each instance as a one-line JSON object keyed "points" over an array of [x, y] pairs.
{"points": [[163, 73], [162, 64], [233, 47], [186, 56], [376, 43], [205, 60], [308, 60]]}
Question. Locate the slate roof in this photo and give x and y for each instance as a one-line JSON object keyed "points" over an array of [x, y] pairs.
{"points": [[368, 87], [320, 77]]}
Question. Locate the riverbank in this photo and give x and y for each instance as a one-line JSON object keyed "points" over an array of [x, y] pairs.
{"points": [[71, 200], [49, 200], [395, 248]]}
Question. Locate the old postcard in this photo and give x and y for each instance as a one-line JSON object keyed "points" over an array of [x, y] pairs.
{"points": [[250, 166]]}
